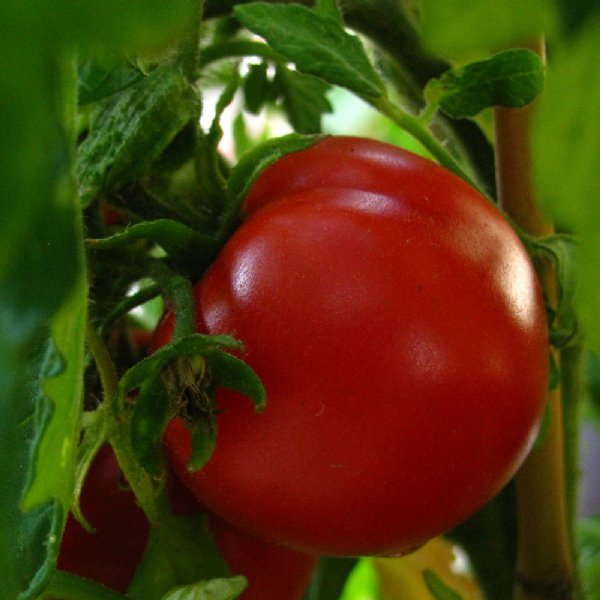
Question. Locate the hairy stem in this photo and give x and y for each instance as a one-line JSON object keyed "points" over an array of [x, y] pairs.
{"points": [[420, 132], [545, 567]]}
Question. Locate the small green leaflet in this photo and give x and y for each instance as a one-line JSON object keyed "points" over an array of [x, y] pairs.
{"points": [[561, 249], [318, 45], [251, 164], [512, 78], [150, 416], [132, 129], [304, 99]]}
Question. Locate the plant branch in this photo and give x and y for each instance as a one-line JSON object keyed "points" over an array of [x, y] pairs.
{"points": [[421, 133], [545, 567]]}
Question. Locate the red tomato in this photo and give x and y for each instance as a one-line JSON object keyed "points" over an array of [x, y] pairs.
{"points": [[112, 553], [396, 322], [109, 555], [273, 572]]}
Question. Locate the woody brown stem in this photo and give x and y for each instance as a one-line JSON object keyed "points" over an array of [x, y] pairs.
{"points": [[545, 569]]}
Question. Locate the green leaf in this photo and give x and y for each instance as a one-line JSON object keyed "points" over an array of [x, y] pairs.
{"points": [[329, 578], [150, 416], [317, 45], [215, 589], [55, 450], [132, 129], [204, 441], [121, 25], [187, 249], [41, 264], [97, 80], [438, 589], [588, 542], [328, 8], [250, 166], [192, 344], [304, 99], [256, 87], [180, 552], [463, 29], [233, 373], [364, 580], [566, 160], [561, 251], [512, 78]]}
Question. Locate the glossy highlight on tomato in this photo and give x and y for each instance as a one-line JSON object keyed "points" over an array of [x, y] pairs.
{"points": [[397, 324]]}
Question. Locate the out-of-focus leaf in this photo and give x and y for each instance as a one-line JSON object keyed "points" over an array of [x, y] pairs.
{"points": [[566, 153], [363, 582], [463, 29], [132, 129], [329, 578], [512, 78], [318, 45], [180, 552], [588, 542], [576, 13], [40, 265], [304, 99], [96, 80], [116, 24]]}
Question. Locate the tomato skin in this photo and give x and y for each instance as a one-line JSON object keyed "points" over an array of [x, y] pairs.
{"points": [[273, 572], [110, 555], [397, 324]]}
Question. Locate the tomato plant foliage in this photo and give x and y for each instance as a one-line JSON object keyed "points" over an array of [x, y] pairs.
{"points": [[149, 150]]}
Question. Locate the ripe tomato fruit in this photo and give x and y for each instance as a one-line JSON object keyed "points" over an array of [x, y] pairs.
{"points": [[396, 322], [274, 572], [110, 555]]}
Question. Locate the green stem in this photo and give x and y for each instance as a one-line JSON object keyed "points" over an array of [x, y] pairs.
{"points": [[139, 480], [415, 126], [179, 290], [104, 363], [66, 586], [117, 423], [129, 303]]}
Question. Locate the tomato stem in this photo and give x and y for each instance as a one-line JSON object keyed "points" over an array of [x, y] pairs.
{"points": [[104, 363], [545, 566], [66, 586], [419, 130], [114, 425]]}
